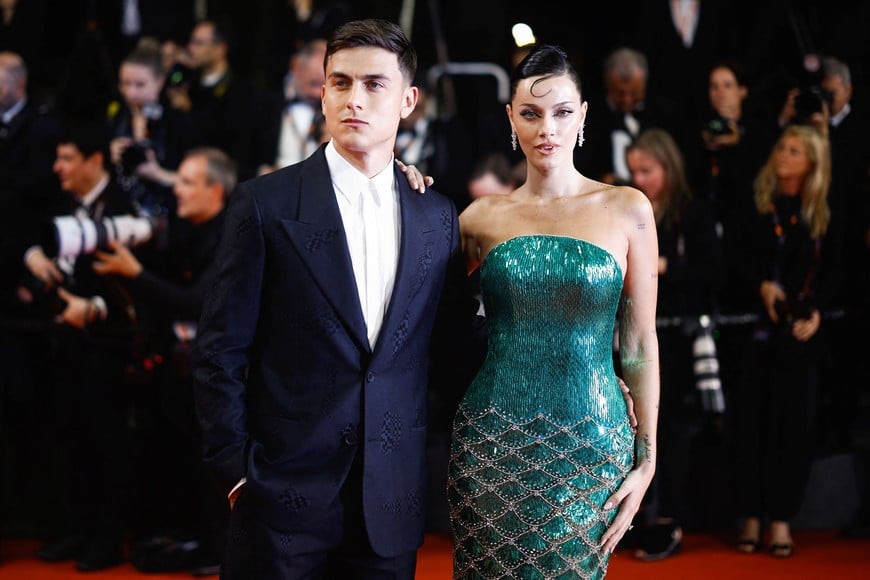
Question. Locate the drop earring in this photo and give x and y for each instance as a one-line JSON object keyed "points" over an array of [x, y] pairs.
{"points": [[513, 140], [580, 138]]}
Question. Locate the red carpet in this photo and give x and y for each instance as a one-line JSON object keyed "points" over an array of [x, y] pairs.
{"points": [[818, 554]]}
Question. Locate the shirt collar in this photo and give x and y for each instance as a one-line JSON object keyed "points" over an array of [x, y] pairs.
{"points": [[838, 118], [10, 113], [91, 196], [348, 180]]}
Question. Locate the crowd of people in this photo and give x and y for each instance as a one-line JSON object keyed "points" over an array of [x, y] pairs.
{"points": [[124, 308]]}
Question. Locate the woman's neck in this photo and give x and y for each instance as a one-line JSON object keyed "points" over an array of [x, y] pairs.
{"points": [[790, 187]]}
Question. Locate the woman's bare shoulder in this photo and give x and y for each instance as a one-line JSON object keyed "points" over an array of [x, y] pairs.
{"points": [[483, 207], [629, 199]]}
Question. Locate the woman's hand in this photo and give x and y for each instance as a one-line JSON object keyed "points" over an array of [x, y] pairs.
{"points": [[627, 499], [804, 329], [415, 179], [771, 293], [117, 147], [152, 170]]}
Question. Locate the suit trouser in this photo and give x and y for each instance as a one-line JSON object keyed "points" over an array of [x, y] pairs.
{"points": [[340, 548]]}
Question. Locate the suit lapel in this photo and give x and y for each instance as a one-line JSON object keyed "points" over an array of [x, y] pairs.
{"points": [[416, 246], [318, 235]]}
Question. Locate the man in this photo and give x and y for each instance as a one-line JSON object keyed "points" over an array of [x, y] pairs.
{"points": [[28, 136], [311, 357], [619, 117], [206, 177], [96, 325], [296, 126], [223, 104], [438, 145], [847, 125]]}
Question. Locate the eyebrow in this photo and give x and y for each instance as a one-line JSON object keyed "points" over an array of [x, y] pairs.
{"points": [[365, 77], [537, 106]]}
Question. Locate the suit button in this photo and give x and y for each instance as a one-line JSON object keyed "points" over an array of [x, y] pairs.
{"points": [[350, 438], [370, 377]]}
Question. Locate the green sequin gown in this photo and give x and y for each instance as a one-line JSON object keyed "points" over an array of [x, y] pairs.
{"points": [[541, 438]]}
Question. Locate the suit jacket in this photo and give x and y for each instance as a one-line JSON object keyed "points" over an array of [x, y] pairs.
{"points": [[288, 391]]}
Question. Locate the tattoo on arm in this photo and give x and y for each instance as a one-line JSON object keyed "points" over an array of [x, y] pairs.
{"points": [[644, 450]]}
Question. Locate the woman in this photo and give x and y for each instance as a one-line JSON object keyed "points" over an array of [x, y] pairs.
{"points": [[690, 272], [546, 473], [732, 146], [794, 255], [150, 136]]}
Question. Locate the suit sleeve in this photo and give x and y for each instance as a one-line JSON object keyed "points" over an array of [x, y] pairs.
{"points": [[459, 336], [226, 330]]}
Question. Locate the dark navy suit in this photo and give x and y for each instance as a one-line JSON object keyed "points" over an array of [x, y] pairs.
{"points": [[289, 394]]}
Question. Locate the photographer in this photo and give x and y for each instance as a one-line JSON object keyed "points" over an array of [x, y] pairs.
{"points": [[793, 255], [187, 500], [149, 135], [809, 103], [92, 346]]}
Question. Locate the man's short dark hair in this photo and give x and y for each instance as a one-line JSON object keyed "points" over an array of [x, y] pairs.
{"points": [[375, 33], [88, 136]]}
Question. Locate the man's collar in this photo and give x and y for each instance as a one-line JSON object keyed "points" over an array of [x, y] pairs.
{"points": [[10, 113]]}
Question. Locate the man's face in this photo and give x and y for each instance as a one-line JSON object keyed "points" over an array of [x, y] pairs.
{"points": [[307, 69], [77, 173], [364, 97], [626, 93], [11, 89], [840, 92], [203, 49], [197, 199]]}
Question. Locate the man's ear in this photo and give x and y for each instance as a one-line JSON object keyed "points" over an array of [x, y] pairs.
{"points": [[412, 95]]}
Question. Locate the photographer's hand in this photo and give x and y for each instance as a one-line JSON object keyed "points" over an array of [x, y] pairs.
{"points": [[120, 261], [42, 267], [179, 98], [788, 111], [803, 329], [117, 147], [152, 170], [771, 292], [79, 312]]}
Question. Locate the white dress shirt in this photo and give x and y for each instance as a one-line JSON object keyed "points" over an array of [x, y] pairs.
{"points": [[296, 141], [370, 213]]}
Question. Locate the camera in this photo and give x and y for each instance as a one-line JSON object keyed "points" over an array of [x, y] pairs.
{"points": [[705, 366], [178, 75], [810, 100], [75, 236], [718, 126], [133, 156]]}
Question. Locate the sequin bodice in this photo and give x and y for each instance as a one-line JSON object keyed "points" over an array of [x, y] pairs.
{"points": [[541, 438], [551, 305]]}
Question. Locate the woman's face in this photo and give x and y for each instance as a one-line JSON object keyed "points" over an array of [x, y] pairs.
{"points": [[547, 118], [791, 160], [726, 94], [647, 174], [138, 85]]}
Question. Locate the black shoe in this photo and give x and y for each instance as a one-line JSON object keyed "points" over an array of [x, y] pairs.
{"points": [[168, 553], [206, 570], [62, 549], [660, 541], [99, 557]]}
